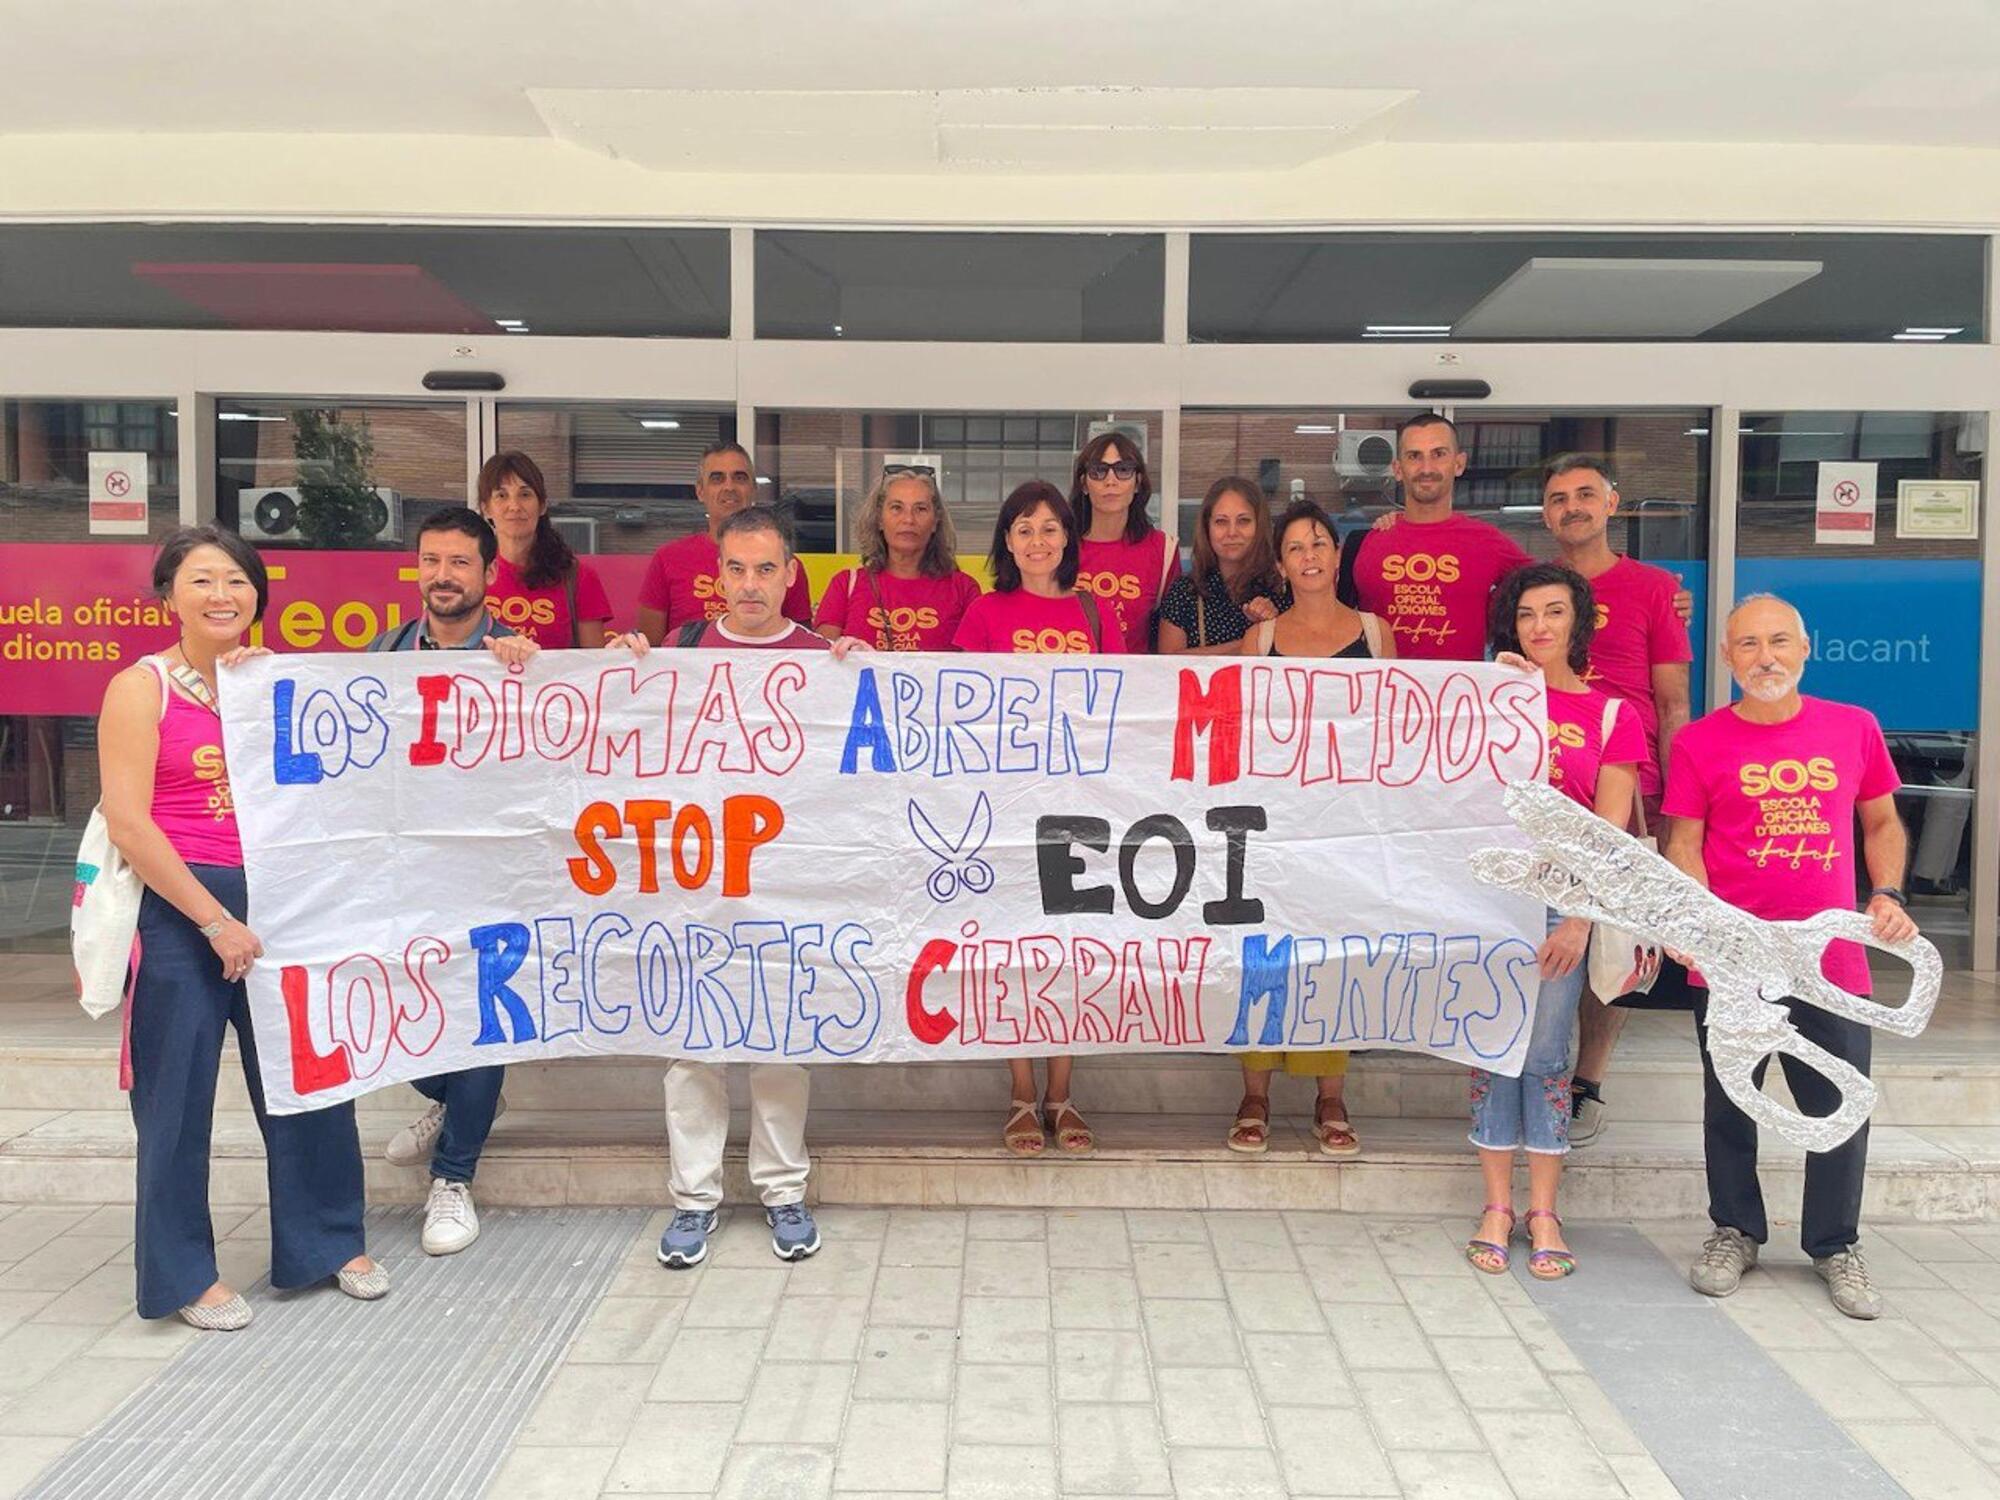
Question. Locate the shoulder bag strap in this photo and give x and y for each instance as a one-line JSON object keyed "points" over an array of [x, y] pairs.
{"points": [[690, 634], [160, 671], [1611, 707], [875, 594], [569, 595], [1096, 622]]}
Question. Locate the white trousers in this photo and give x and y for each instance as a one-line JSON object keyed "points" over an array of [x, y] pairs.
{"points": [[698, 1127]]}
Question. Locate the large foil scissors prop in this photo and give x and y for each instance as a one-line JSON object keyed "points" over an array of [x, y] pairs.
{"points": [[959, 864], [1583, 867]]}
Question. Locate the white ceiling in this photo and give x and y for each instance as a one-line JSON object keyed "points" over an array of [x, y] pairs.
{"points": [[781, 85]]}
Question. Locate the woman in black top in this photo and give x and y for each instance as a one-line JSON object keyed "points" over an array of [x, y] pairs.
{"points": [[1235, 582], [1315, 624]]}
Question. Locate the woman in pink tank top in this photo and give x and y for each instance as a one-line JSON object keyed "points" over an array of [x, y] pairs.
{"points": [[167, 803]]}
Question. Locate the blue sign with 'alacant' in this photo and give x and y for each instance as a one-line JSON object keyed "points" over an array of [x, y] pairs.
{"points": [[1898, 637]]}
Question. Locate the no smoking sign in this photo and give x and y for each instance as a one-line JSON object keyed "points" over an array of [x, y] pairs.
{"points": [[117, 494]]}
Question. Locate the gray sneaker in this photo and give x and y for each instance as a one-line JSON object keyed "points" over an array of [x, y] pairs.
{"points": [[1846, 1277], [794, 1236], [1725, 1255], [1586, 1114], [686, 1241]]}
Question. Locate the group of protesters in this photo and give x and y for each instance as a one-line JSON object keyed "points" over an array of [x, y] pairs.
{"points": [[1079, 572]]}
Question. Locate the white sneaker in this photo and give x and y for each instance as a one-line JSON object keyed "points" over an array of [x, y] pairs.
{"points": [[412, 1144], [450, 1221]]}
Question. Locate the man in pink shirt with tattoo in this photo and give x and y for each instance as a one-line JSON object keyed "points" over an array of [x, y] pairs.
{"points": [[1639, 652]]}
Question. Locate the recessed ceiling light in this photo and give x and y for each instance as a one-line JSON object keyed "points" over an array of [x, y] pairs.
{"points": [[1918, 338], [660, 424], [1946, 332], [1409, 328], [762, 480], [511, 322]]}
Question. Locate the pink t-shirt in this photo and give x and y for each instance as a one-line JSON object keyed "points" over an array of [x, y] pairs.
{"points": [[1577, 746], [682, 580], [897, 614], [1028, 624], [1777, 806], [718, 636], [1128, 579], [1431, 583], [192, 803], [543, 614], [1637, 630]]}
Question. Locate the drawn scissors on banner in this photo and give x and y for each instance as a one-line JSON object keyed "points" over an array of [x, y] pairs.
{"points": [[959, 866], [1583, 867]]}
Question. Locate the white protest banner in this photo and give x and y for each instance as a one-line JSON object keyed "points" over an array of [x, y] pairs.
{"points": [[765, 856]]}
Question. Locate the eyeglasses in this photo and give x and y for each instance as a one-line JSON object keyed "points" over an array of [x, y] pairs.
{"points": [[1123, 469], [890, 471]]}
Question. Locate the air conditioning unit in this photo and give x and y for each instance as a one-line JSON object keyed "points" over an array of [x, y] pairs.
{"points": [[1364, 453], [270, 513], [579, 531]]}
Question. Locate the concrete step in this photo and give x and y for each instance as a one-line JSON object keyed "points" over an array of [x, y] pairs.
{"points": [[1151, 1160], [1657, 1078]]}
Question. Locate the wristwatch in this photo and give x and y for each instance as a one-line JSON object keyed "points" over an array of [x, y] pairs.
{"points": [[1894, 893], [211, 930]]}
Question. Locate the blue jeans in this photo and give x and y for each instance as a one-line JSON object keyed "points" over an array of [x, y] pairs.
{"points": [[1532, 1112], [181, 1006], [469, 1099]]}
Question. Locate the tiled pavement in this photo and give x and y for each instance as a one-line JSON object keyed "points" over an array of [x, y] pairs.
{"points": [[1035, 1353]]}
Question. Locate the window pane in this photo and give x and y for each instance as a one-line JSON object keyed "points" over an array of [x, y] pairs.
{"points": [[296, 474], [1013, 288], [1339, 288], [831, 459], [1893, 614], [621, 478], [367, 278], [45, 449]]}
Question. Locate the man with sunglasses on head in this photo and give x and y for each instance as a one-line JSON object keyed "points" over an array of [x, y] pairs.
{"points": [[683, 582]]}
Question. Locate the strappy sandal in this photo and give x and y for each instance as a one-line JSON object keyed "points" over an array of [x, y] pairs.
{"points": [[1074, 1138], [1336, 1137], [1250, 1134], [1548, 1265], [1022, 1134], [1485, 1255]]}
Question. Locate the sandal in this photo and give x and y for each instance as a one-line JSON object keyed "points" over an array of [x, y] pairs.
{"points": [[1487, 1256], [1250, 1134], [1074, 1138], [1336, 1137], [1022, 1134], [1549, 1265]]}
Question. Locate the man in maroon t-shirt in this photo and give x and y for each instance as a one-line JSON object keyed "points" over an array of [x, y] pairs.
{"points": [[755, 571], [683, 581], [1640, 653]]}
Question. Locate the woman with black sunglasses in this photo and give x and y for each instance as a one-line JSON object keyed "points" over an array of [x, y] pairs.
{"points": [[908, 593], [1127, 561]]}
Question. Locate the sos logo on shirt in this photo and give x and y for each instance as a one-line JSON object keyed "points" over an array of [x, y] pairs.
{"points": [[1421, 567], [1049, 641], [1788, 777], [521, 610], [1110, 585], [903, 619], [1569, 736], [708, 589]]}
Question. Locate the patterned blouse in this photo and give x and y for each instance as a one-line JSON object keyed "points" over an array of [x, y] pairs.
{"points": [[1219, 619]]}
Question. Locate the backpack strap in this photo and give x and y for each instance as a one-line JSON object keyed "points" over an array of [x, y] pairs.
{"points": [[1092, 618], [1371, 631], [690, 633]]}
